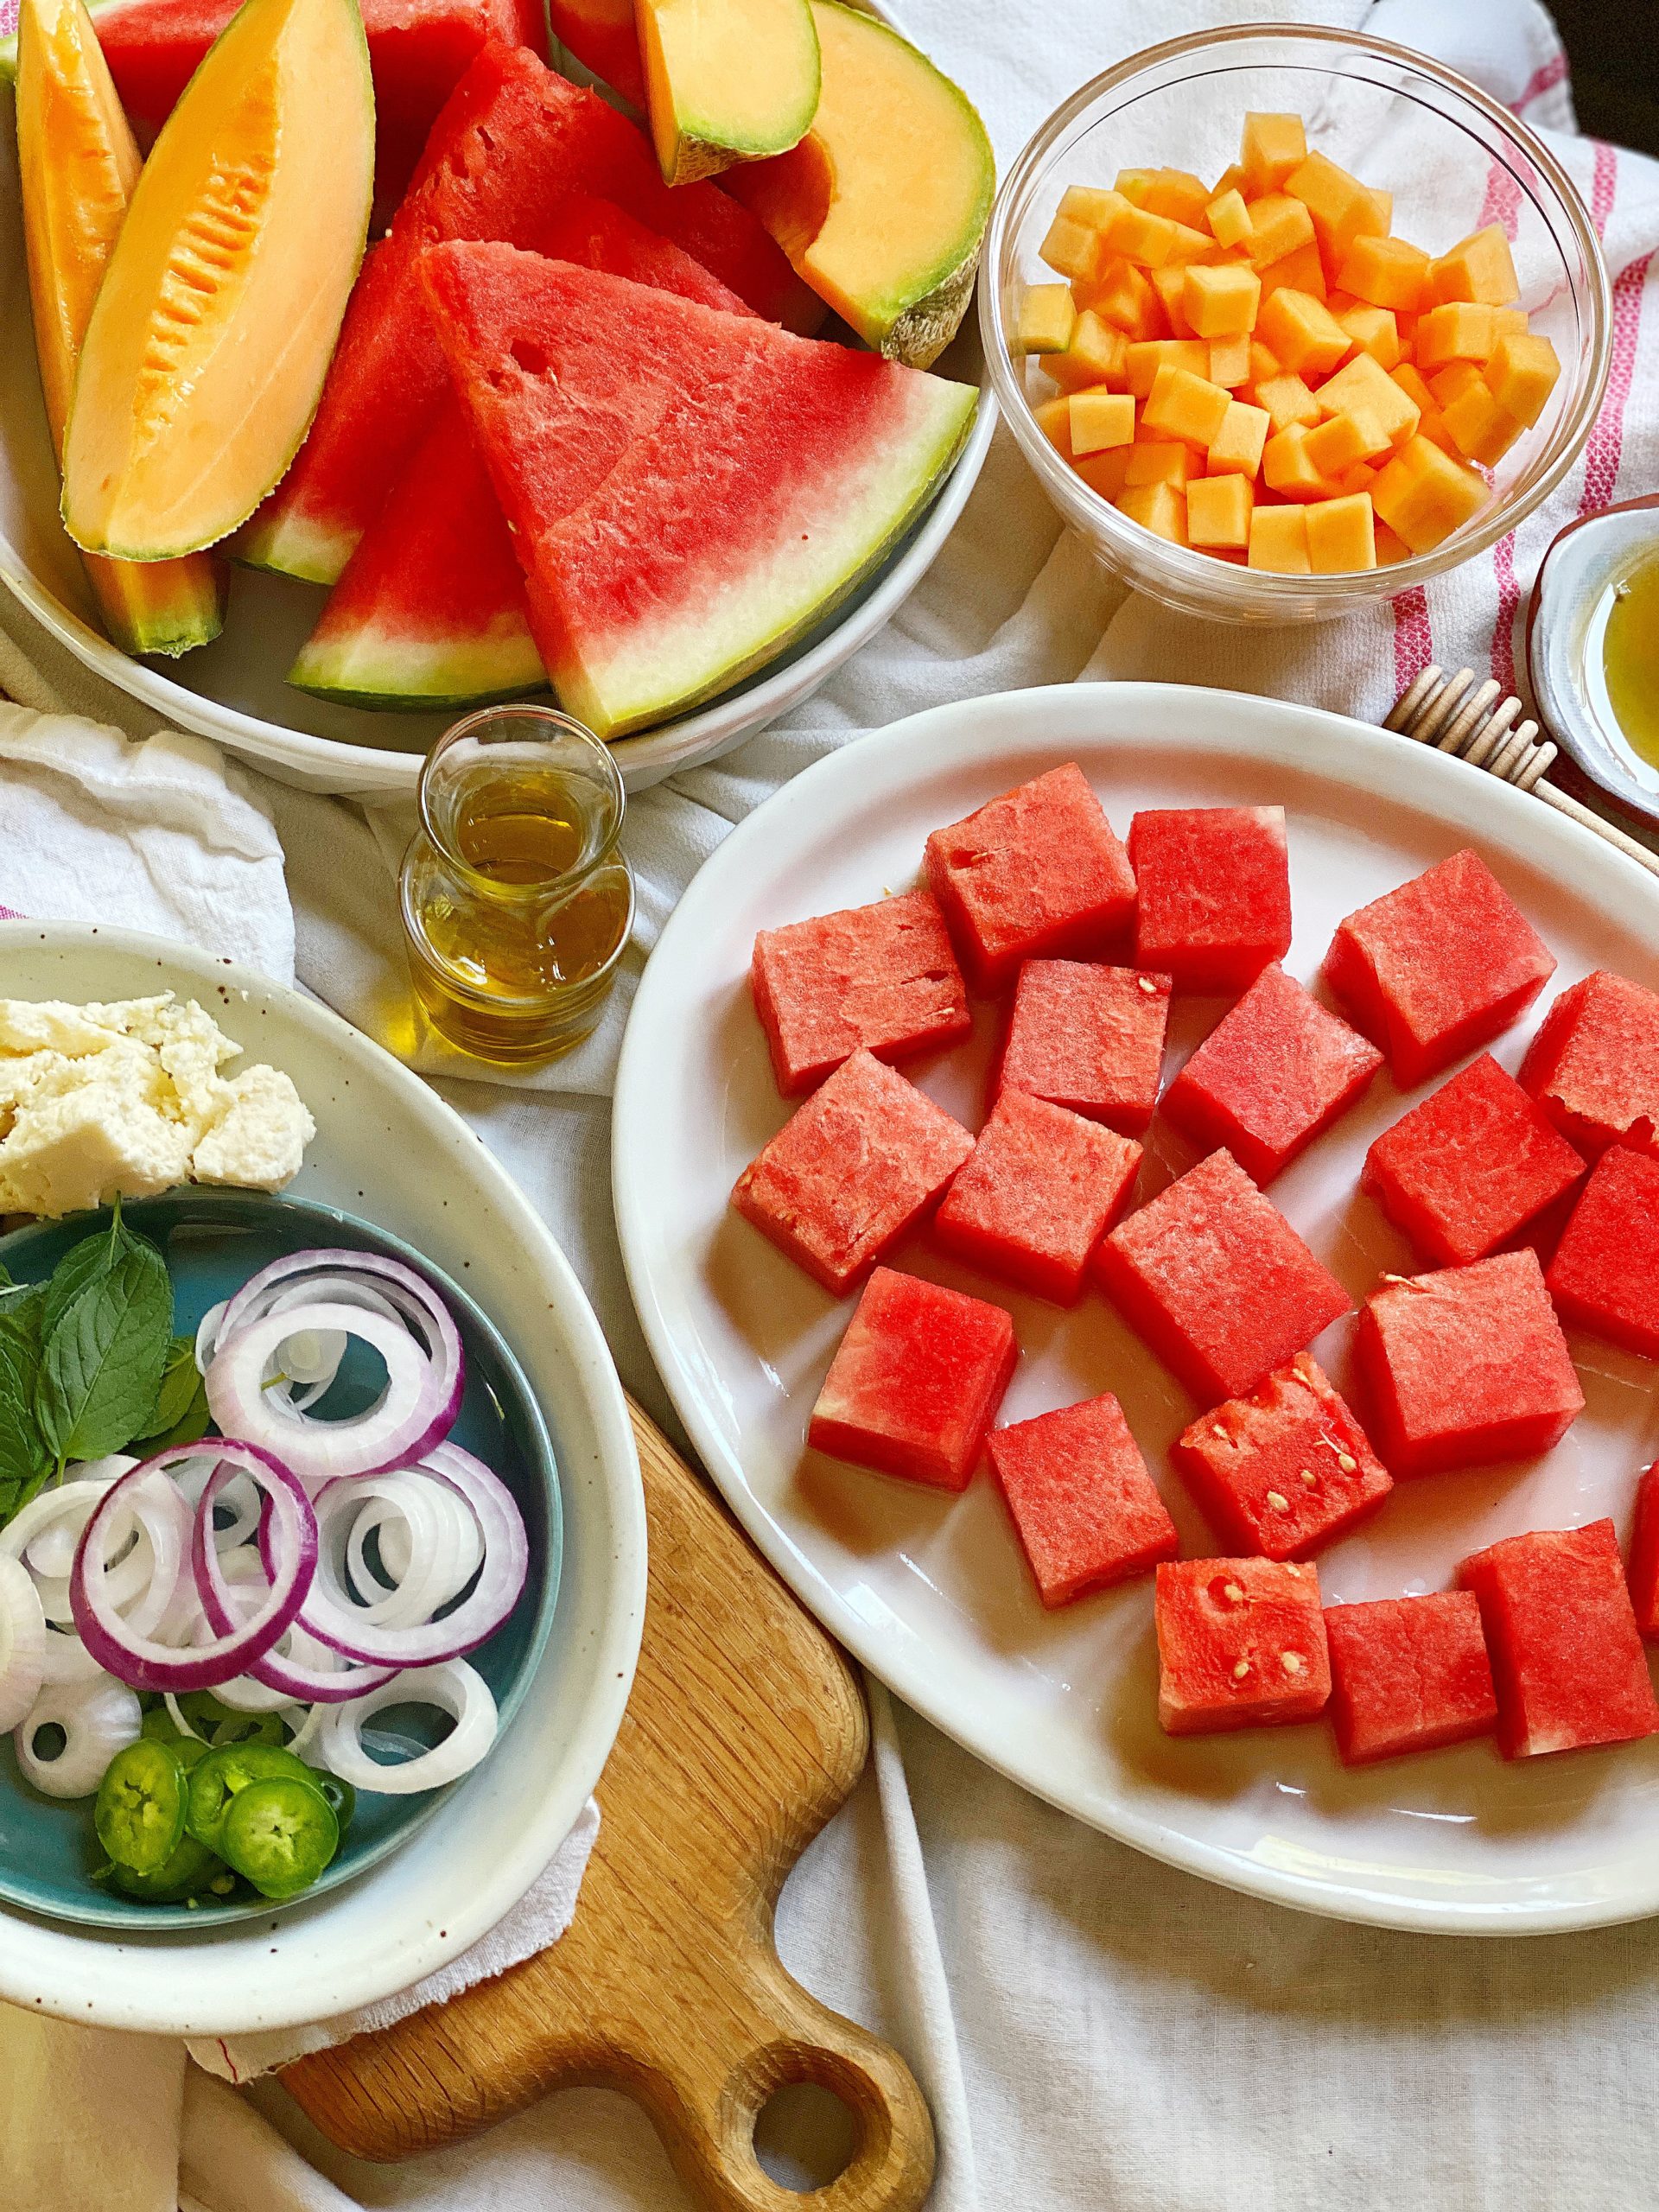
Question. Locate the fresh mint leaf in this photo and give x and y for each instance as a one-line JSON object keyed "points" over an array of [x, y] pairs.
{"points": [[24, 1454], [81, 1266], [181, 1385], [103, 1357], [190, 1426]]}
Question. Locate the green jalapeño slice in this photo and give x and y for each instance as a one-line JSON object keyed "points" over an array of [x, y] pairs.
{"points": [[280, 1834], [139, 1815]]}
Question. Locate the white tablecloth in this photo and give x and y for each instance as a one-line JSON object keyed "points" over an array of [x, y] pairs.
{"points": [[1101, 2032]]}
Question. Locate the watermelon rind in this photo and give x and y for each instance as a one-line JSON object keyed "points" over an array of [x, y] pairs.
{"points": [[398, 673]]}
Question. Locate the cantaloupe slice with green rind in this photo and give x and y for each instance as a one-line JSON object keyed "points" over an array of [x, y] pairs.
{"points": [[726, 81], [78, 165], [882, 206], [207, 350]]}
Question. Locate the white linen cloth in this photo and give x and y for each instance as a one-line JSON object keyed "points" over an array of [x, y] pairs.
{"points": [[1092, 2030]]}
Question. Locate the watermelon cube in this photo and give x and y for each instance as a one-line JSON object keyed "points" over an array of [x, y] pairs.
{"points": [[1642, 1573], [916, 1381], [1440, 965], [1286, 1470], [1408, 1674], [1214, 892], [1466, 1365], [1041, 1190], [881, 976], [1087, 1511], [1241, 1644], [1273, 1073], [1566, 1656], [851, 1171], [1468, 1169], [1038, 871], [1594, 1064], [1088, 1038], [1605, 1277], [1217, 1281]]}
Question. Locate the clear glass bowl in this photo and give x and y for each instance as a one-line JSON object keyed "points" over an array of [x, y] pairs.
{"points": [[1451, 157]]}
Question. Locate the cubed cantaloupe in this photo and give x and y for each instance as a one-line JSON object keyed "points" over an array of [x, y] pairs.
{"points": [[1521, 374], [1303, 331], [1184, 405], [1230, 361], [1160, 508], [1144, 358], [1048, 315], [1390, 272], [1363, 386], [1478, 267], [1459, 331], [1228, 216], [1141, 237], [1176, 193], [1287, 468], [1288, 400], [1099, 419], [1424, 495], [1220, 299], [1054, 421], [1121, 295], [1338, 443], [1074, 249], [1192, 244], [1218, 510], [1373, 330], [1236, 447], [1106, 471], [1271, 147], [1279, 540], [1481, 429], [1301, 272], [1264, 362], [1278, 224], [1087, 204], [1159, 461], [1098, 354], [1340, 534], [1342, 208], [1170, 284]]}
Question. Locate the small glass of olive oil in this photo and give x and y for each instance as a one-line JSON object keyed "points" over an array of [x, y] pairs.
{"points": [[1631, 658], [517, 905]]}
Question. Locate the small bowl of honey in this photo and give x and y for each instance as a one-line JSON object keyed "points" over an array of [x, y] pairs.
{"points": [[517, 905], [1592, 649]]}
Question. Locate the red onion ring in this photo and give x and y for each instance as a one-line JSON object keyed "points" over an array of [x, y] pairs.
{"points": [[408, 1291], [285, 1673]]}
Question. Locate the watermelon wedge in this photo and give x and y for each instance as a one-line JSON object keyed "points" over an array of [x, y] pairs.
{"points": [[598, 234], [688, 492], [430, 610], [515, 140]]}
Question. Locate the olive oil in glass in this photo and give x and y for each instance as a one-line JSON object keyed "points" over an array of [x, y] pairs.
{"points": [[1631, 658]]}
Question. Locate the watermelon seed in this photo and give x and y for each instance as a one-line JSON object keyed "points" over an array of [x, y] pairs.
{"points": [[1291, 1662], [1310, 1478], [1147, 986], [1347, 1462], [1278, 1501], [1241, 1670]]}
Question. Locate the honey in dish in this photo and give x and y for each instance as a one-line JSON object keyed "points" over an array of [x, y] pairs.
{"points": [[1630, 652]]}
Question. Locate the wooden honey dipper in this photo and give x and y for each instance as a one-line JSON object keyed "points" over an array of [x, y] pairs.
{"points": [[1479, 725]]}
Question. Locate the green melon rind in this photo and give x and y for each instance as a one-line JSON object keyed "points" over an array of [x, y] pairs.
{"points": [[638, 686], [379, 668], [186, 627], [705, 148], [289, 545]]}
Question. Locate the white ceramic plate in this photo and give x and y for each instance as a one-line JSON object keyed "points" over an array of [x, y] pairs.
{"points": [[930, 1591], [388, 1149], [233, 691]]}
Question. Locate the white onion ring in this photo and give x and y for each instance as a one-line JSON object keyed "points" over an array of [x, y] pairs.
{"points": [[23, 1644], [297, 1669], [414, 1410], [454, 1687], [97, 1719]]}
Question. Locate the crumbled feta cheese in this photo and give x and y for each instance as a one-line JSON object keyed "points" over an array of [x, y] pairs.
{"points": [[259, 1139]]}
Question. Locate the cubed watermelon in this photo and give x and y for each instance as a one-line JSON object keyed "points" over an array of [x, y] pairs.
{"points": [[1213, 884], [1466, 1365], [1468, 1169], [1439, 966], [1605, 1277], [1088, 1038], [1408, 1674], [881, 976], [916, 1381], [1273, 1074], [1594, 1064], [1217, 1281], [1038, 871], [1042, 1189], [1566, 1656], [1285, 1471], [1087, 1511], [851, 1171], [1241, 1644], [1642, 1573]]}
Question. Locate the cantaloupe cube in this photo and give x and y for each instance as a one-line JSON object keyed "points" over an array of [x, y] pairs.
{"points": [[1073, 249], [1478, 427], [1459, 331], [1478, 267], [1279, 225], [1140, 237], [1279, 540], [1303, 331], [1236, 447], [1230, 361], [1301, 272], [1340, 534], [1121, 295], [1170, 284], [1288, 400], [1221, 301], [1409, 378], [1105, 471], [1424, 495], [1088, 204], [1288, 469], [1159, 461], [1363, 386], [1218, 510], [1229, 217], [1184, 405], [1373, 330], [1145, 359], [1099, 419], [1264, 362], [1389, 548], [1272, 146], [1160, 508], [1133, 184], [1522, 374], [1452, 381], [1054, 420], [1388, 272], [1336, 444], [1359, 477], [1192, 244], [1232, 179], [1098, 354], [1508, 322], [1342, 208], [1047, 316]]}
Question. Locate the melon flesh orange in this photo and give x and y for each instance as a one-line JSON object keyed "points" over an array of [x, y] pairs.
{"points": [[690, 491], [726, 80], [207, 350], [78, 165]]}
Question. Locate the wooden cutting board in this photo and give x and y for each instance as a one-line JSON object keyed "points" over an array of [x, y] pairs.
{"points": [[744, 1732]]}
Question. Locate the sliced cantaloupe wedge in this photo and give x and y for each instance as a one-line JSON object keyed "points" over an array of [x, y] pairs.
{"points": [[206, 349], [882, 205], [726, 81], [79, 163]]}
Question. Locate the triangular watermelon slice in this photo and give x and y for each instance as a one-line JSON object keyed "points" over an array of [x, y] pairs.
{"points": [[430, 610], [598, 234], [514, 140], [688, 492]]}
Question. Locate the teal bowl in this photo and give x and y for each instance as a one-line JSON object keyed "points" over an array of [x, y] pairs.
{"points": [[213, 1241]]}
